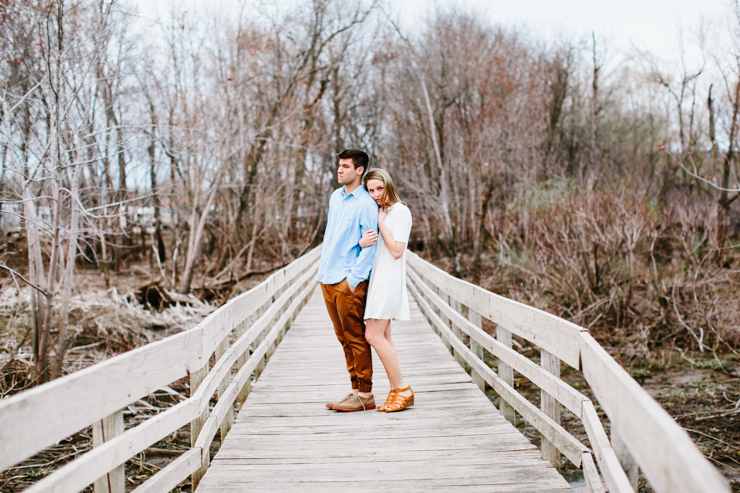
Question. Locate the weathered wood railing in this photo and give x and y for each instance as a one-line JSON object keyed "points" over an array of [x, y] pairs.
{"points": [[643, 435], [256, 321]]}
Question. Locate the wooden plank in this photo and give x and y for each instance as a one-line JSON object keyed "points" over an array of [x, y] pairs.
{"points": [[591, 475], [103, 431], [475, 319], [81, 472], [196, 380], [506, 372], [508, 358], [242, 329], [456, 307], [173, 474], [284, 437], [665, 452], [91, 394], [223, 321], [81, 398], [76, 475], [614, 476], [232, 391], [228, 420], [625, 458], [564, 441], [547, 331], [550, 406]]}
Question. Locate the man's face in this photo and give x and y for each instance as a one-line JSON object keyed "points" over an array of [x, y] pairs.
{"points": [[347, 173]]}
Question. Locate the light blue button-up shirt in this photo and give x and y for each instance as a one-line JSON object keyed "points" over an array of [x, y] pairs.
{"points": [[350, 215]]}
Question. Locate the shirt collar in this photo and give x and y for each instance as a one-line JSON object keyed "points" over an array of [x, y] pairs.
{"points": [[354, 192]]}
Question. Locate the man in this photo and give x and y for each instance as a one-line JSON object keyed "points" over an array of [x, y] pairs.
{"points": [[344, 270]]}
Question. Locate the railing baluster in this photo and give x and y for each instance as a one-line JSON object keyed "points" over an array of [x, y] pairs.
{"points": [[446, 320], [241, 329], [475, 319], [261, 365], [103, 431], [457, 306], [625, 458], [228, 421], [506, 373], [196, 378], [550, 406]]}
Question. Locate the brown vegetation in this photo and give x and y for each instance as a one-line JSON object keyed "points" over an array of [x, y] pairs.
{"points": [[200, 151]]}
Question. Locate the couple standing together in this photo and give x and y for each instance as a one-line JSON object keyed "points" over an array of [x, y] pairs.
{"points": [[363, 278]]}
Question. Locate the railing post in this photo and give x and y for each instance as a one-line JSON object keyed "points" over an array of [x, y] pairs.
{"points": [[196, 378], [273, 347], [228, 421], [103, 431], [550, 406], [241, 329], [625, 458], [506, 373], [476, 348], [457, 306], [445, 299], [259, 368]]}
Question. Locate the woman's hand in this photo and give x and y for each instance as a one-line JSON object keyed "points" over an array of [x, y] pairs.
{"points": [[370, 238], [382, 213]]}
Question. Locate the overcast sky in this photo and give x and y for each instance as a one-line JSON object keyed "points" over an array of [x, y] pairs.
{"points": [[646, 24], [651, 25]]}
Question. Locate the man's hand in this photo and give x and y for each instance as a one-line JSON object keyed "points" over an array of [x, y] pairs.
{"points": [[351, 288]]}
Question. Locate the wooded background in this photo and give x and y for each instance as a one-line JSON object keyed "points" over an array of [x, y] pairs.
{"points": [[599, 186]]}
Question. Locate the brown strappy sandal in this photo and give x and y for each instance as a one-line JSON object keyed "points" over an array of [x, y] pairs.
{"points": [[400, 402], [389, 400]]}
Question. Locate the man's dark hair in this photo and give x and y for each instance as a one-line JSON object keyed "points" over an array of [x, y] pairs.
{"points": [[358, 157]]}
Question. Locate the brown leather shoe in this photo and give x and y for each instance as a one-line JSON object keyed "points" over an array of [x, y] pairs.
{"points": [[330, 405], [356, 403]]}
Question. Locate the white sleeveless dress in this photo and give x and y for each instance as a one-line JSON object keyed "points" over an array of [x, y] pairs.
{"points": [[386, 294]]}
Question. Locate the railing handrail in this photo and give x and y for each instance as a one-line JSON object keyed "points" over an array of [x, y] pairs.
{"points": [[657, 444], [40, 417]]}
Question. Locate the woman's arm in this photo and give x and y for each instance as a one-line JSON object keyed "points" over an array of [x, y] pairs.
{"points": [[395, 247]]}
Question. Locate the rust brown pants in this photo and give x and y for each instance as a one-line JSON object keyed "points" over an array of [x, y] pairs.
{"points": [[346, 310]]}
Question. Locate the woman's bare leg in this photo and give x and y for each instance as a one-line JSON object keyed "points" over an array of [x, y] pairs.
{"points": [[387, 335], [378, 334]]}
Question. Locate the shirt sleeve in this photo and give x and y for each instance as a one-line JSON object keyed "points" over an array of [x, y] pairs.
{"points": [[402, 227], [364, 264]]}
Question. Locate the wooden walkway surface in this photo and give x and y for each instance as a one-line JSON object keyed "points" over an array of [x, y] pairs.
{"points": [[453, 438]]}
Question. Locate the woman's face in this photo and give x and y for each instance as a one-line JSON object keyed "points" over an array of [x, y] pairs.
{"points": [[375, 188]]}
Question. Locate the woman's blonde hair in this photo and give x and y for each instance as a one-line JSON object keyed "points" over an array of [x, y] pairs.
{"points": [[390, 194]]}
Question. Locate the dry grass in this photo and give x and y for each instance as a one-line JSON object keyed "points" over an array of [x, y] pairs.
{"points": [[643, 277], [640, 276]]}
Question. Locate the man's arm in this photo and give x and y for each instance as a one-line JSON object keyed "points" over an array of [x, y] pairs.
{"points": [[364, 264]]}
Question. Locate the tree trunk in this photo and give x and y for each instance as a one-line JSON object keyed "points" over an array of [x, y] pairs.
{"points": [[159, 242], [196, 233], [35, 268], [594, 98], [723, 204], [68, 278]]}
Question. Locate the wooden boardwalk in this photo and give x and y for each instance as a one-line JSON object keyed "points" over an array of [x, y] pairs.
{"points": [[285, 439], [451, 439]]}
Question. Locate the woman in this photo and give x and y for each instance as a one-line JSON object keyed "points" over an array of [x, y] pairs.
{"points": [[387, 298]]}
